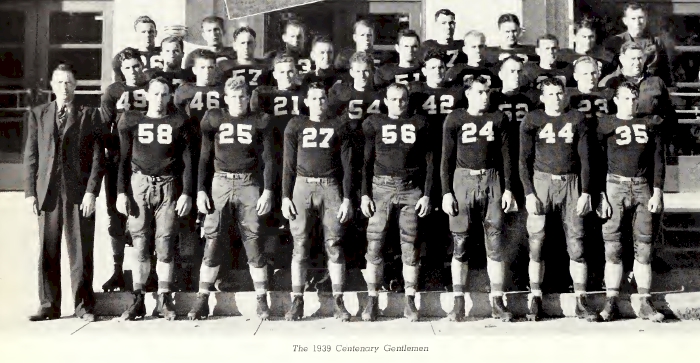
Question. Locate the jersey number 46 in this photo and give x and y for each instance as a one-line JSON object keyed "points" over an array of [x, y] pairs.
{"points": [[211, 100]]}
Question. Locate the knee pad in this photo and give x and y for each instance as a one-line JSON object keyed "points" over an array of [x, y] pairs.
{"points": [[164, 249], [335, 255], [613, 252], [640, 238], [409, 258], [494, 246], [642, 253], [257, 261], [459, 241], [211, 261], [575, 247]]}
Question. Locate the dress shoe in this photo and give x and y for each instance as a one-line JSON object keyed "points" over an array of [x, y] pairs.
{"points": [[45, 314]]}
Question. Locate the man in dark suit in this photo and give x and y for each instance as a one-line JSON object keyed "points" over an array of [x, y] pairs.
{"points": [[63, 162]]}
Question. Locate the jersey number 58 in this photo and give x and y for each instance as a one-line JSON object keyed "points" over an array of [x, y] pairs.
{"points": [[163, 134]]}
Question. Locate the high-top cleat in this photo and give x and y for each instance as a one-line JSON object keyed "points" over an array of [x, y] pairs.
{"points": [[371, 309], [151, 284], [339, 310], [611, 310], [409, 310], [584, 311], [648, 312], [116, 282], [458, 312], [200, 310], [262, 310], [137, 310], [499, 310], [296, 311], [535, 312], [166, 307]]}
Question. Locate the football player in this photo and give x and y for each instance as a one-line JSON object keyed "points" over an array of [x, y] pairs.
{"points": [[146, 31], [118, 98], [555, 172], [474, 51], [633, 150], [475, 172], [316, 184], [254, 71], [294, 39], [445, 22], [322, 51], [509, 29], [408, 68], [195, 100], [156, 163], [585, 44], [397, 182], [548, 66], [171, 52], [363, 35], [236, 157], [586, 96], [360, 97], [655, 56], [213, 32]]}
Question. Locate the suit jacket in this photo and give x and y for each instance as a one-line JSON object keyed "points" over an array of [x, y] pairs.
{"points": [[657, 62], [83, 145]]}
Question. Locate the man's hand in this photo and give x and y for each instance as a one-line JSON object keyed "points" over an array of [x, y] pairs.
{"points": [[449, 205], [423, 206], [533, 205], [604, 208], [345, 211], [32, 205], [264, 203], [289, 211], [656, 203], [508, 201], [204, 204], [88, 205], [367, 206], [184, 204], [123, 204], [583, 206]]}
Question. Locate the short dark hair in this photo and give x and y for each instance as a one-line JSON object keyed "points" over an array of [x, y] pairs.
{"points": [[214, 20], [433, 54], [294, 22], [144, 19], [322, 39], [407, 33], [508, 18], [446, 12], [630, 46], [244, 29], [202, 53], [586, 22], [509, 58], [547, 37], [362, 22], [633, 5], [361, 57], [396, 85], [64, 67], [550, 81], [173, 39], [315, 85], [128, 53], [236, 83], [161, 80], [283, 58], [480, 79], [629, 85]]}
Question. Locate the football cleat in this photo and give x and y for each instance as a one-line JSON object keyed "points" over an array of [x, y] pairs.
{"points": [[371, 309], [296, 311], [263, 310], [584, 311], [339, 311], [116, 282], [166, 307], [535, 312], [137, 310], [499, 310], [457, 313], [200, 310], [611, 310], [648, 312], [409, 310]]}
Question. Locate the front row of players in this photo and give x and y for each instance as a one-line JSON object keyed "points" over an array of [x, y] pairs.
{"points": [[236, 176]]}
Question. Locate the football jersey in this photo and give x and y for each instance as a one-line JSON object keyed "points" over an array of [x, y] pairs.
{"points": [[533, 74], [633, 147], [604, 57], [461, 73], [379, 57], [240, 144], [398, 148], [328, 77], [358, 105], [195, 100], [435, 104], [556, 145], [316, 150], [223, 54], [174, 78], [155, 147], [256, 74], [594, 104], [392, 73], [150, 60], [302, 59], [525, 52], [653, 95], [117, 99], [475, 142], [452, 50]]}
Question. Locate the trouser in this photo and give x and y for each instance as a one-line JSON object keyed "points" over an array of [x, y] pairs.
{"points": [[235, 197], [478, 194], [394, 199], [59, 215], [116, 222], [628, 195], [317, 198], [558, 194]]}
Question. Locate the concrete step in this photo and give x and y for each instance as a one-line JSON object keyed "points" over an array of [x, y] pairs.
{"points": [[684, 306]]}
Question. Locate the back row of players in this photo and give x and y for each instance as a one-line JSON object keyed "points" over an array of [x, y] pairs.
{"points": [[378, 137]]}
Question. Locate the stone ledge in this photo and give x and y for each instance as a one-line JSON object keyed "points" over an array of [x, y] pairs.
{"points": [[430, 304]]}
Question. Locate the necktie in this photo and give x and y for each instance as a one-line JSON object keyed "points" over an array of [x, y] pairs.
{"points": [[61, 118]]}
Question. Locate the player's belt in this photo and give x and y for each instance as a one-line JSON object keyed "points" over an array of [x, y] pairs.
{"points": [[564, 177], [154, 178], [226, 175], [309, 180], [614, 178], [476, 171]]}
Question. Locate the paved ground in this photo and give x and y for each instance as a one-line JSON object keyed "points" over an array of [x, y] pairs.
{"points": [[69, 339]]}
